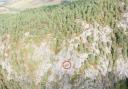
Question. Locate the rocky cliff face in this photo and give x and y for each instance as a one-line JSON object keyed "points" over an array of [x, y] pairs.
{"points": [[95, 62], [97, 58]]}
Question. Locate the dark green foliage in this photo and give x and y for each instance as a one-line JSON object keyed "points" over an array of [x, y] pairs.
{"points": [[121, 41], [90, 39], [12, 84], [59, 20], [123, 84], [81, 47]]}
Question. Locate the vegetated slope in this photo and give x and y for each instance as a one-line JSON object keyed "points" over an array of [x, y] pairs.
{"points": [[24, 4], [14, 6], [23, 36], [60, 20]]}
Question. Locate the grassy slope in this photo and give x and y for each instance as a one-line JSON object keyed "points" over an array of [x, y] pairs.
{"points": [[58, 21], [23, 4]]}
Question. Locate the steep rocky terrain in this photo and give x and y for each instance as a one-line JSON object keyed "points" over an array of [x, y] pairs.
{"points": [[69, 49]]}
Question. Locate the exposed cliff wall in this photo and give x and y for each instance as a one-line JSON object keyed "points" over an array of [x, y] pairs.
{"points": [[85, 53]]}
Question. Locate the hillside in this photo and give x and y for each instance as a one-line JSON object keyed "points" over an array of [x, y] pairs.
{"points": [[11, 6], [72, 45], [23, 4], [17, 5]]}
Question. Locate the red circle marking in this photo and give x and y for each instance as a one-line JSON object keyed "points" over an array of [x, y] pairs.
{"points": [[66, 64]]}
